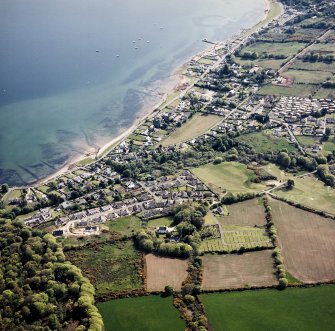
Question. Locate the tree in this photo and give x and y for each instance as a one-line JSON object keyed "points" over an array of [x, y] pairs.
{"points": [[283, 159], [328, 132], [4, 188], [168, 290], [290, 184]]}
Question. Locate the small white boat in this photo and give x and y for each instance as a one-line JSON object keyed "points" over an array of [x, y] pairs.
{"points": [[97, 50], [148, 41], [161, 27], [117, 55], [136, 47], [134, 41]]}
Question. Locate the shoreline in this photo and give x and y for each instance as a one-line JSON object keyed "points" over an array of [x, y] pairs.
{"points": [[146, 111]]}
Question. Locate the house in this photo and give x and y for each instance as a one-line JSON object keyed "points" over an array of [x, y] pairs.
{"points": [[164, 230]]}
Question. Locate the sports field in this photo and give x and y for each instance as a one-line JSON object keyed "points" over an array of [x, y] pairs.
{"points": [[238, 271], [228, 176], [150, 313], [307, 242], [295, 309], [197, 125], [162, 271]]}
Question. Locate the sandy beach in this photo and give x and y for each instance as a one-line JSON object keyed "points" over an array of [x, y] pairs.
{"points": [[168, 87]]}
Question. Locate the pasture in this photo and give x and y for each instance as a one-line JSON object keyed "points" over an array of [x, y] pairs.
{"points": [[307, 77], [307, 242], [125, 225], [110, 268], [162, 271], [247, 213], [141, 314], [300, 90], [294, 309], [317, 66], [238, 271], [197, 125], [265, 142], [310, 192], [264, 63], [228, 177], [288, 49]]}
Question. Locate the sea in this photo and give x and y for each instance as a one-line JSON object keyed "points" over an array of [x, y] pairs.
{"points": [[75, 73]]}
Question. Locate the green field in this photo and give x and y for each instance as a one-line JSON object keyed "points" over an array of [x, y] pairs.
{"points": [[228, 176], [125, 225], [301, 90], [329, 146], [310, 192], [308, 140], [324, 93], [150, 313], [264, 63], [161, 221], [295, 309], [318, 66], [197, 125], [288, 49], [263, 142], [307, 77], [109, 267]]}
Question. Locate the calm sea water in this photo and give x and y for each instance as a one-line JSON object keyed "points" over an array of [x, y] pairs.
{"points": [[64, 91]]}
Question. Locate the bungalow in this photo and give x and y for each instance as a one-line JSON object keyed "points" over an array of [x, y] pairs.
{"points": [[58, 233]]}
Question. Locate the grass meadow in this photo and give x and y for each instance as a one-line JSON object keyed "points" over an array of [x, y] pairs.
{"points": [[150, 313], [295, 309]]}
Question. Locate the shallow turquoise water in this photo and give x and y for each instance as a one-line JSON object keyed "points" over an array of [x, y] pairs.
{"points": [[59, 97]]}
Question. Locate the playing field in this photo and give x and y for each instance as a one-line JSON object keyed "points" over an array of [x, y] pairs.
{"points": [[197, 125], [307, 242], [228, 176], [237, 271], [162, 271], [295, 309], [150, 313], [310, 192]]}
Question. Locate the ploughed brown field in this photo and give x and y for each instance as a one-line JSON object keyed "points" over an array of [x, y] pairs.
{"points": [[162, 271], [238, 271], [249, 213], [307, 242]]}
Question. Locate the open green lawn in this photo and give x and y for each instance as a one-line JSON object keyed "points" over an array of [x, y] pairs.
{"points": [[294, 309], [109, 267], [161, 221], [301, 90], [11, 195], [263, 142], [288, 49], [318, 66], [230, 176], [325, 93], [264, 63], [307, 77], [150, 313], [329, 146], [197, 125], [125, 225], [308, 140], [310, 192]]}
